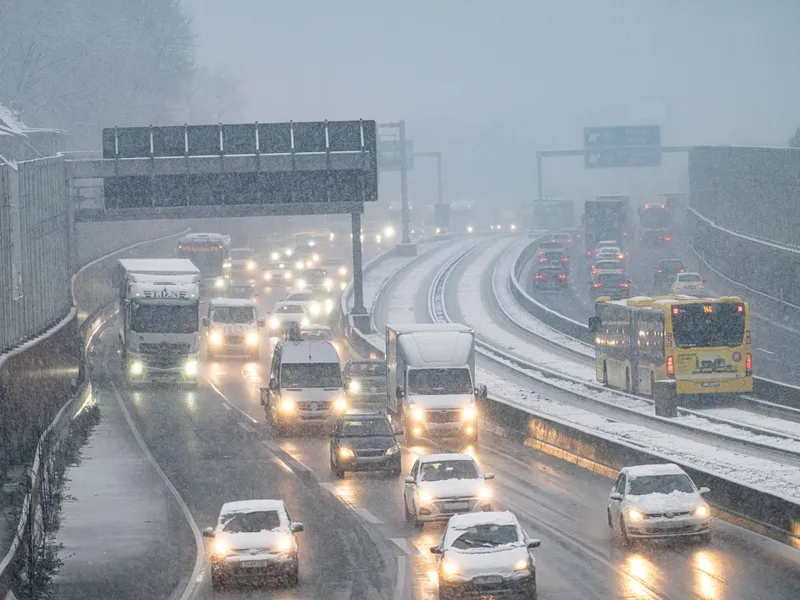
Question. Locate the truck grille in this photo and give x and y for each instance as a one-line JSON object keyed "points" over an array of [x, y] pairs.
{"points": [[314, 406], [443, 416], [164, 349]]}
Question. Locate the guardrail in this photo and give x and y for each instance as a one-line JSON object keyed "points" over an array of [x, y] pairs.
{"points": [[757, 510]]}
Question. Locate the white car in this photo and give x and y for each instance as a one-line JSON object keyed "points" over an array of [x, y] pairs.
{"points": [[658, 501], [286, 313], [486, 554], [608, 266], [610, 254], [442, 485], [254, 539], [688, 284]]}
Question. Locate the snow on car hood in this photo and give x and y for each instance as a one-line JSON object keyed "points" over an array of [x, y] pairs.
{"points": [[675, 501], [442, 400], [450, 488], [261, 540], [487, 561], [234, 328]]}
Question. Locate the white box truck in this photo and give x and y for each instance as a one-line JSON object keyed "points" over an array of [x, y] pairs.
{"points": [[159, 308], [431, 387]]}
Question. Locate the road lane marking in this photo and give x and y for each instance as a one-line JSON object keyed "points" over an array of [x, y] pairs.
{"points": [[246, 426], [765, 351], [328, 486], [225, 405], [224, 397], [406, 546], [200, 552], [299, 465], [368, 516]]}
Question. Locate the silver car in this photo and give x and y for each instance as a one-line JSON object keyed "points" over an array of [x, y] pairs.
{"points": [[486, 554], [365, 381]]}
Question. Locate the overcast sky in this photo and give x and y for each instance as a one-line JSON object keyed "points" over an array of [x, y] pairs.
{"points": [[489, 83]]}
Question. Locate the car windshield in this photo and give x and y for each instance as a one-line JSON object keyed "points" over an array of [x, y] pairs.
{"points": [[311, 375], [366, 428], [670, 266], [376, 369], [449, 469], [439, 381], [660, 484], [290, 309], [233, 314], [252, 522], [163, 318], [486, 536]]}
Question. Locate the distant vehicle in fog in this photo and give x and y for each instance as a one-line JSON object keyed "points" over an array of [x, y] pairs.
{"points": [[688, 284], [614, 285], [550, 278], [655, 223], [607, 217], [666, 271]]}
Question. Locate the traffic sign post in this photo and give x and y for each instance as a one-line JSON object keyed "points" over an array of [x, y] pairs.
{"points": [[622, 146]]}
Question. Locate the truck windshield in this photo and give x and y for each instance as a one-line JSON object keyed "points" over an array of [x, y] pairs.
{"points": [[233, 314], [439, 381], [163, 318], [311, 375]]}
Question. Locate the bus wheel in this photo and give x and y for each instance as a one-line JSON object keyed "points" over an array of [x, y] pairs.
{"points": [[605, 374]]}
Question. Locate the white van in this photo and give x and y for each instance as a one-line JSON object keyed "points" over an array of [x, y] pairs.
{"points": [[305, 385], [232, 326]]}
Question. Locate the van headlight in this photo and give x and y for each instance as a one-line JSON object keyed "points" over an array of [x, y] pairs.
{"points": [[417, 414], [354, 386], [469, 413], [251, 339], [215, 338], [342, 271], [190, 368], [315, 309], [340, 405], [305, 322], [288, 405], [274, 323], [136, 367], [251, 265], [393, 450], [219, 283], [345, 453]]}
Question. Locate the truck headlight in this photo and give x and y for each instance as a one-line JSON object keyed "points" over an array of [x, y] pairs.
{"points": [[288, 405], [190, 368], [469, 413], [340, 405], [215, 339], [355, 386], [251, 339], [417, 414], [136, 367]]}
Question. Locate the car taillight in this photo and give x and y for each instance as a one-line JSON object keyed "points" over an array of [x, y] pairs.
{"points": [[623, 284], [564, 259], [595, 271], [659, 271], [540, 277], [670, 367], [562, 276], [682, 271], [667, 239], [543, 260], [677, 286], [748, 363], [597, 285], [702, 286]]}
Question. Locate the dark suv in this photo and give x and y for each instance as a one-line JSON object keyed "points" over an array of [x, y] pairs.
{"points": [[364, 442], [666, 270]]}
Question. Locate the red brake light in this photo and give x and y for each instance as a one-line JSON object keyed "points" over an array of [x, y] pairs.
{"points": [[624, 284], [668, 239], [562, 276], [677, 286], [540, 276], [595, 271], [675, 310], [659, 271], [663, 206], [597, 285], [748, 363], [683, 270], [564, 259], [702, 286], [739, 308], [670, 367]]}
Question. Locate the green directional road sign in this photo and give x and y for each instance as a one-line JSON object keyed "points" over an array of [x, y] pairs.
{"points": [[622, 146]]}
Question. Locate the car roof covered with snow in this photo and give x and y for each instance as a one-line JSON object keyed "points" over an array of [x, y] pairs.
{"points": [[654, 470], [467, 520], [308, 352], [246, 506], [433, 458], [232, 302]]}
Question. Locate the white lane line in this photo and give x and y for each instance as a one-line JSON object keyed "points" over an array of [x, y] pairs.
{"points": [[406, 546], [199, 558], [247, 427], [368, 516], [225, 405], [276, 449], [765, 351], [224, 397]]}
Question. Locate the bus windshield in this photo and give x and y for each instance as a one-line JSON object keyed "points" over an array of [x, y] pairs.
{"points": [[708, 325]]}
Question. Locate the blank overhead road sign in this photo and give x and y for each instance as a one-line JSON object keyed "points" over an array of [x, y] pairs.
{"points": [[622, 146], [389, 158], [234, 170]]}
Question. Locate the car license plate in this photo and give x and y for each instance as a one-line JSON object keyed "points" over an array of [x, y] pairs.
{"points": [[453, 506], [250, 564], [488, 580], [709, 384]]}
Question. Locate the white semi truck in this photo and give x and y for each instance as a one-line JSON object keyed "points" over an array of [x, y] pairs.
{"points": [[159, 308], [431, 387]]}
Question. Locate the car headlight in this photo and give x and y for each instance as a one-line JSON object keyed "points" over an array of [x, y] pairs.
{"points": [[315, 309], [328, 284], [226, 265], [635, 515], [469, 413], [215, 338], [190, 368], [288, 405], [701, 511], [346, 453], [354, 386], [485, 493], [268, 276], [305, 322], [340, 405], [311, 243], [136, 367], [287, 275], [315, 258], [342, 271], [219, 283], [251, 339], [438, 230], [393, 450], [522, 564], [425, 497], [328, 305], [299, 265], [274, 323], [513, 227], [275, 256], [301, 284], [221, 548], [332, 236], [285, 543], [417, 414], [288, 252], [388, 232], [450, 568], [251, 265], [342, 285], [470, 229], [378, 238]]}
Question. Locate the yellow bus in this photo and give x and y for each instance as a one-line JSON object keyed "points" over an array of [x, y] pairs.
{"points": [[701, 343]]}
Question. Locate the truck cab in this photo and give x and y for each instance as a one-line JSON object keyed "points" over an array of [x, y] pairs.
{"points": [[241, 264], [232, 328], [431, 387]]}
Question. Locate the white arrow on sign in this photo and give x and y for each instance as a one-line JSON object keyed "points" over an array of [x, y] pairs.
{"points": [[594, 158], [593, 137]]}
